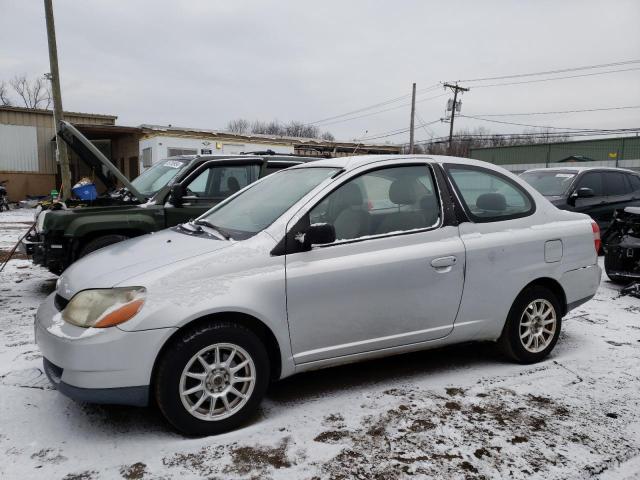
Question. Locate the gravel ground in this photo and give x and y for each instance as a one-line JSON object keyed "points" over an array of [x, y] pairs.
{"points": [[455, 413]]}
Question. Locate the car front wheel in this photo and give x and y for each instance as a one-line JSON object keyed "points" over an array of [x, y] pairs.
{"points": [[533, 325], [212, 379]]}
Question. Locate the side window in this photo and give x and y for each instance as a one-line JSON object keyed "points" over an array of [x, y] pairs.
{"points": [[388, 200], [592, 180], [198, 186], [223, 181], [232, 179], [615, 184], [635, 182], [489, 196]]}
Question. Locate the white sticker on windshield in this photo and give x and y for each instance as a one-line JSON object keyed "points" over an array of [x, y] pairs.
{"points": [[565, 175], [172, 164]]}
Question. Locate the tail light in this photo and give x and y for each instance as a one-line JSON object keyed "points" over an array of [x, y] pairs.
{"points": [[596, 236]]}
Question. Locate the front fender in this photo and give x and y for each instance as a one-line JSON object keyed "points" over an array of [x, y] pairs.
{"points": [[117, 222]]}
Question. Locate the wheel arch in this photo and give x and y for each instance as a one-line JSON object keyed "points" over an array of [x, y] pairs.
{"points": [[550, 284], [250, 322], [79, 243]]}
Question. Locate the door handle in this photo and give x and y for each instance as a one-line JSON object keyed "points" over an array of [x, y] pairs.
{"points": [[443, 262]]}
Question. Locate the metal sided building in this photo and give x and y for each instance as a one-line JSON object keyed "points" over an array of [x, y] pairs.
{"points": [[623, 152], [27, 148]]}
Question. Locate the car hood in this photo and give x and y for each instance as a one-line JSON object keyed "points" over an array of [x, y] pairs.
{"points": [[94, 158], [116, 263]]}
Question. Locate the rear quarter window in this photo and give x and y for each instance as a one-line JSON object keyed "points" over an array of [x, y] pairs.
{"points": [[489, 196]]}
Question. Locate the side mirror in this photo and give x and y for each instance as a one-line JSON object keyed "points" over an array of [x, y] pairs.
{"points": [[177, 192], [584, 192], [320, 234]]}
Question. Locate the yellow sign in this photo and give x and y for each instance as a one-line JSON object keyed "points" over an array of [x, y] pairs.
{"points": [[613, 154]]}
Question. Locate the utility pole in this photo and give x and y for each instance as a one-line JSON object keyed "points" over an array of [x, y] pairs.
{"points": [[413, 115], [455, 89], [58, 114]]}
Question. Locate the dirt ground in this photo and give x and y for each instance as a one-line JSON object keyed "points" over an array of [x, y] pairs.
{"points": [[457, 413]]}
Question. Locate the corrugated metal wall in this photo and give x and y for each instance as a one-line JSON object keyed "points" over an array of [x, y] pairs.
{"points": [[627, 148], [42, 120], [18, 148]]}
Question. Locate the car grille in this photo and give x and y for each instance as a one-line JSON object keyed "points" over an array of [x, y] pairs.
{"points": [[60, 302]]}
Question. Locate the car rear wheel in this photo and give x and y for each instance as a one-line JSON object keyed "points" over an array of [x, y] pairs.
{"points": [[101, 242], [212, 379], [533, 325]]}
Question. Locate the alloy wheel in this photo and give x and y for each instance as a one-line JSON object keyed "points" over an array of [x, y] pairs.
{"points": [[217, 381], [538, 325]]}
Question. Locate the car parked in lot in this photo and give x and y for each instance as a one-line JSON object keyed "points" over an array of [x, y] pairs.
{"points": [[596, 191], [321, 264], [173, 191]]}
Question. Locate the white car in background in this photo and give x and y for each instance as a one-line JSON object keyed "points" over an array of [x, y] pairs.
{"points": [[326, 263]]}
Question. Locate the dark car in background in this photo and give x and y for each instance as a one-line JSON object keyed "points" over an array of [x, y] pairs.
{"points": [[596, 191]]}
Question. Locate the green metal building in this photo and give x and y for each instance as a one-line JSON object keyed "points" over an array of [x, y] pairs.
{"points": [[621, 152]]}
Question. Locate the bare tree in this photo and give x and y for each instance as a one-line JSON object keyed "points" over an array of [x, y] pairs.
{"points": [[328, 136], [34, 93], [4, 95], [292, 129], [239, 126]]}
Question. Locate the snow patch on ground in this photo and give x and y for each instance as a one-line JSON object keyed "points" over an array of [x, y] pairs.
{"points": [[455, 413]]}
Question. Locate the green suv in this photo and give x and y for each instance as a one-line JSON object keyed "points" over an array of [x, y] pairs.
{"points": [[171, 192]]}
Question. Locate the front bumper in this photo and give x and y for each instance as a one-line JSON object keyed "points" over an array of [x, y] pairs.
{"points": [[30, 243], [97, 365], [51, 255]]}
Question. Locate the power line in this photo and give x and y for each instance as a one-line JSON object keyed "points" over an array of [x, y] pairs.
{"points": [[556, 78], [380, 111], [556, 112], [392, 133], [551, 72], [586, 133], [534, 126], [380, 104]]}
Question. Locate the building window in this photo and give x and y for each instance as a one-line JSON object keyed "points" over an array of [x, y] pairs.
{"points": [[176, 152], [146, 157]]}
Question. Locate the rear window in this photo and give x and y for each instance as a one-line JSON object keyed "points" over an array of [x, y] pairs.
{"points": [[489, 196]]}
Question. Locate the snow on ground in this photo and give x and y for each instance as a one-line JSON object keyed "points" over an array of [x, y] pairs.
{"points": [[456, 413]]}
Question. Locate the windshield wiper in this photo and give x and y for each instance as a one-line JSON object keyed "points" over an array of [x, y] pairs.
{"points": [[221, 231]]}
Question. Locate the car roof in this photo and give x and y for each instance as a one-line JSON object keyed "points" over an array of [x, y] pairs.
{"points": [[579, 169], [357, 161]]}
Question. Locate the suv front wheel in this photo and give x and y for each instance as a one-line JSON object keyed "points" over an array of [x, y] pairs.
{"points": [[212, 379]]}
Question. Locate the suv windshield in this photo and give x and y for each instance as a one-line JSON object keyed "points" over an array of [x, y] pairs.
{"points": [[152, 180], [549, 183], [261, 204]]}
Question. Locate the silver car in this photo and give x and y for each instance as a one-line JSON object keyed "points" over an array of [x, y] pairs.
{"points": [[322, 264]]}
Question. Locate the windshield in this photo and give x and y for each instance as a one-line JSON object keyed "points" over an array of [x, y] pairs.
{"points": [[153, 179], [549, 183], [261, 204]]}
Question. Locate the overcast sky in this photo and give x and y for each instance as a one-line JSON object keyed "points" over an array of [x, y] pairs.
{"points": [[202, 63]]}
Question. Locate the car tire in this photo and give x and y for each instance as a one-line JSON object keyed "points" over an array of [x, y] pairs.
{"points": [[183, 360], [101, 242], [533, 325]]}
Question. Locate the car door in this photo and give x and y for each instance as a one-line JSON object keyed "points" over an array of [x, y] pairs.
{"points": [[596, 206], [617, 191], [393, 277], [634, 181], [208, 185]]}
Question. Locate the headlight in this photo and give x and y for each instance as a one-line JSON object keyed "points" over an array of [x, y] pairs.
{"points": [[105, 307]]}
